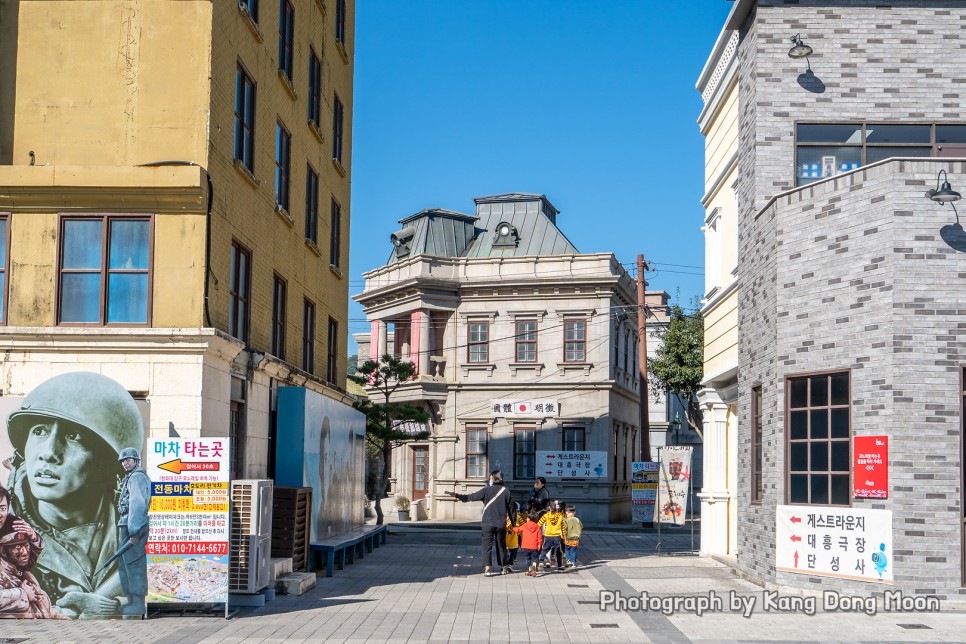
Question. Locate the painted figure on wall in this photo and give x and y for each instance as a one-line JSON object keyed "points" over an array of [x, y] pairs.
{"points": [[67, 437], [20, 545], [133, 505]]}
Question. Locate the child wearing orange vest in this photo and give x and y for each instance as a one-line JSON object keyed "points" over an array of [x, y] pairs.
{"points": [[531, 539]]}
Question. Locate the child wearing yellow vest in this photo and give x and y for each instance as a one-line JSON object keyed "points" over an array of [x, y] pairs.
{"points": [[554, 534], [513, 538]]}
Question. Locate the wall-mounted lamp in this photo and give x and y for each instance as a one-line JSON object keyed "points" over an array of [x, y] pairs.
{"points": [[799, 49], [943, 194]]}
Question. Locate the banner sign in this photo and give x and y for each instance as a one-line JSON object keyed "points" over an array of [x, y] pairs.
{"points": [[643, 490], [847, 543], [525, 408], [871, 467], [674, 481], [188, 543], [572, 465]]}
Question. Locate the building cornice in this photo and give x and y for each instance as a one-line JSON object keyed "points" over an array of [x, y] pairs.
{"points": [[717, 67], [720, 180], [115, 340]]}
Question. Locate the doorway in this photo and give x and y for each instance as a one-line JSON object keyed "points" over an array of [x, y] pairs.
{"points": [[420, 472]]}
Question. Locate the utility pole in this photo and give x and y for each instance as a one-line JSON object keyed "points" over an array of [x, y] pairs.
{"points": [[642, 360]]}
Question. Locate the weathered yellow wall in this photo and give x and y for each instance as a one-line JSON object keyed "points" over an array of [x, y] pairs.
{"points": [[721, 336], [112, 82], [33, 253], [244, 211], [179, 250]]}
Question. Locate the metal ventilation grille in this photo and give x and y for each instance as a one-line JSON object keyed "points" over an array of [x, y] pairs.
{"points": [[244, 505]]}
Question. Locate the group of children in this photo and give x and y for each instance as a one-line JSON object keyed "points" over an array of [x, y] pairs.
{"points": [[550, 535]]}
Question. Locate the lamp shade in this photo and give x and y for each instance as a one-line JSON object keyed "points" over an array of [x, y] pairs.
{"points": [[799, 49]]}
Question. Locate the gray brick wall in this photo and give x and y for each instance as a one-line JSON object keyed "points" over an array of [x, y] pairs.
{"points": [[851, 273]]}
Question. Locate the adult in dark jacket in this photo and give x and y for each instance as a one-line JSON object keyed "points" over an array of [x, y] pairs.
{"points": [[540, 495], [496, 512]]}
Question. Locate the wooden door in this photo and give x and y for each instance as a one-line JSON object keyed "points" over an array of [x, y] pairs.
{"points": [[420, 472]]}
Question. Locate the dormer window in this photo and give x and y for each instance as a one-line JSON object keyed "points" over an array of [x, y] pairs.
{"points": [[506, 236]]}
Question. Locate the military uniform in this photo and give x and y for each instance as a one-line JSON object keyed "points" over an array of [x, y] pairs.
{"points": [[133, 509], [14, 601]]}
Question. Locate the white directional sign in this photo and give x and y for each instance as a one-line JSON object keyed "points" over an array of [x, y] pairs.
{"points": [[572, 465], [834, 542]]}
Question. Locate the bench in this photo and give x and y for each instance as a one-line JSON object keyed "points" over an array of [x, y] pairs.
{"points": [[347, 545]]}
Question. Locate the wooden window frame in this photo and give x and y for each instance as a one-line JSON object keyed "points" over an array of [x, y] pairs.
{"points": [[315, 88], [757, 455], [308, 336], [582, 442], [575, 342], [245, 147], [234, 280], [476, 344], [335, 233], [311, 204], [283, 165], [518, 473], [286, 38], [332, 351], [5, 269], [279, 310], [808, 441], [338, 128], [485, 453], [521, 343], [105, 271]]}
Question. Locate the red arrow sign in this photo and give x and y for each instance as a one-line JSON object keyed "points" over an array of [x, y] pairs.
{"points": [[796, 558], [551, 456], [177, 466], [796, 538], [796, 519]]}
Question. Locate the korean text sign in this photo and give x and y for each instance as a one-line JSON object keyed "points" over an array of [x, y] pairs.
{"points": [[188, 543], [572, 465], [643, 490], [871, 467], [848, 543]]}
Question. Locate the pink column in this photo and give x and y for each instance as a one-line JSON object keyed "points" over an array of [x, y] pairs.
{"points": [[374, 340], [414, 338]]}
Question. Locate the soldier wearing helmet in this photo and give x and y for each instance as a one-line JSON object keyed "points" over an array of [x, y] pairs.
{"points": [[67, 436], [133, 528]]}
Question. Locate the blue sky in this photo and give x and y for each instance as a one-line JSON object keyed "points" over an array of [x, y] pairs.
{"points": [[592, 104]]}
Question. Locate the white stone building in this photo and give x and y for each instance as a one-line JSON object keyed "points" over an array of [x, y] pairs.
{"points": [[500, 308]]}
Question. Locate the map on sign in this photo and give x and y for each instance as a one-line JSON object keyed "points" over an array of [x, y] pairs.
{"points": [[187, 548]]}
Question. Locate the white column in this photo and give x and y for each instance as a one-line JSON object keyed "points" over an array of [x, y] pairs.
{"points": [[382, 341]]}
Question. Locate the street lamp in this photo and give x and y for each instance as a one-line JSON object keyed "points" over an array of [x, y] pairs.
{"points": [[676, 425]]}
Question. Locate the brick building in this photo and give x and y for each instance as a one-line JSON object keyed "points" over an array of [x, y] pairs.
{"points": [[850, 280]]}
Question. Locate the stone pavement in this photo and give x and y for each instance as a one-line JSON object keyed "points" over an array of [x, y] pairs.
{"points": [[425, 585]]}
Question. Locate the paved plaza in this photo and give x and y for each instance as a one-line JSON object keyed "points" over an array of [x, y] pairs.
{"points": [[425, 585]]}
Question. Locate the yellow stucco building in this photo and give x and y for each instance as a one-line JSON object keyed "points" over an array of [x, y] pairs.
{"points": [[174, 204], [718, 121]]}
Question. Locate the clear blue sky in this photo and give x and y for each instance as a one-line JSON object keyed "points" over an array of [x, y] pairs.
{"points": [[590, 103]]}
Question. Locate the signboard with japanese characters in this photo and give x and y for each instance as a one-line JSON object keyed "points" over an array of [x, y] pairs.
{"points": [[572, 465], [674, 482], [188, 542], [871, 467], [848, 543], [643, 490], [525, 408]]}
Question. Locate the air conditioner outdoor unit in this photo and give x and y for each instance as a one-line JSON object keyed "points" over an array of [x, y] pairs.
{"points": [[251, 530]]}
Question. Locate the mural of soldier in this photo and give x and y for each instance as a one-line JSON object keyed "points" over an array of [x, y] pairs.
{"points": [[133, 507], [21, 595], [67, 437]]}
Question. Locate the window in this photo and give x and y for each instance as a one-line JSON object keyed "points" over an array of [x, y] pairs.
{"points": [[818, 439], [337, 115], [574, 439], [756, 448], [335, 234], [524, 453], [237, 428], [332, 359], [575, 340], [278, 318], [104, 271], [286, 37], [4, 228], [311, 205], [283, 155], [526, 350], [308, 336], [251, 6], [245, 118], [315, 88], [826, 149], [476, 467], [479, 345], [627, 344], [238, 291], [340, 21]]}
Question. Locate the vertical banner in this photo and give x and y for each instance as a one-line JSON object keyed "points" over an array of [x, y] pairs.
{"points": [[188, 542], [871, 467], [643, 490], [674, 480]]}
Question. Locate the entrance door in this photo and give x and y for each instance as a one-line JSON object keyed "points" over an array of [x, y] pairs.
{"points": [[420, 472]]}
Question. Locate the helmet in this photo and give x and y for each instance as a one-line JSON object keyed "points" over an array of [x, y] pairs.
{"points": [[90, 400], [129, 452]]}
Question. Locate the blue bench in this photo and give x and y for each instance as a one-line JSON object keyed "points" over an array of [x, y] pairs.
{"points": [[347, 545]]}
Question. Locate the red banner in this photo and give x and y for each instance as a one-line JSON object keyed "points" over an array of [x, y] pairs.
{"points": [[870, 474]]}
